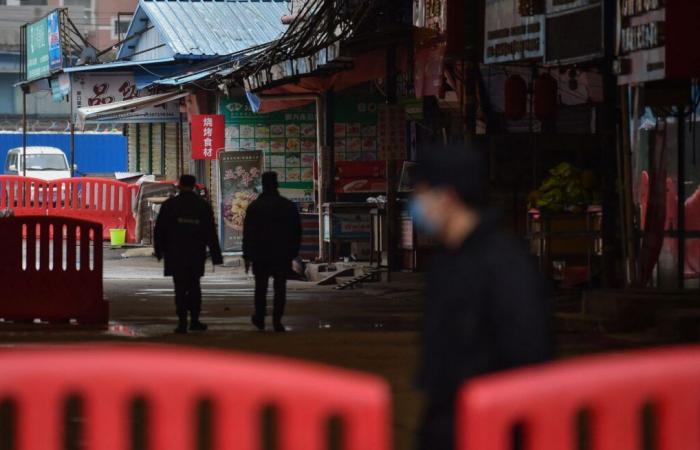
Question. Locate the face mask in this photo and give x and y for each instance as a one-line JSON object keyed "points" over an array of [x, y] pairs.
{"points": [[420, 217]]}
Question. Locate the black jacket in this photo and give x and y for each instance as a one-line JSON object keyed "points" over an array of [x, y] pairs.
{"points": [[486, 310], [184, 229], [272, 230]]}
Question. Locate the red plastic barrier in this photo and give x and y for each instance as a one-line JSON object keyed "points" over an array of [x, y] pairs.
{"points": [[611, 389], [108, 202], [173, 381], [54, 273], [23, 195]]}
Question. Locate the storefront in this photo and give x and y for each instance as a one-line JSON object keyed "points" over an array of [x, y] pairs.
{"points": [[545, 117], [657, 67], [286, 142]]}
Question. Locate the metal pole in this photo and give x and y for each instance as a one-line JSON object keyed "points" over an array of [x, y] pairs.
{"points": [[150, 148], [681, 197], [24, 131], [72, 149], [320, 155], [321, 167]]}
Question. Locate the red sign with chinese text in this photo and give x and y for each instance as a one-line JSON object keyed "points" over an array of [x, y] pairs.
{"points": [[207, 135]]}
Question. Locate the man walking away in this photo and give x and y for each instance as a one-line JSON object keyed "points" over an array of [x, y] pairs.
{"points": [[184, 229], [486, 307], [271, 240]]}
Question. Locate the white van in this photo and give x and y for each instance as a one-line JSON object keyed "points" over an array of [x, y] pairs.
{"points": [[44, 163]]}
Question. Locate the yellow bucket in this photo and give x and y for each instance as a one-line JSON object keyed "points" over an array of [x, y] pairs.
{"points": [[117, 236]]}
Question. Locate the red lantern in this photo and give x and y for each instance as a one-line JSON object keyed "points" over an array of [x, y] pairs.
{"points": [[515, 97], [545, 101]]}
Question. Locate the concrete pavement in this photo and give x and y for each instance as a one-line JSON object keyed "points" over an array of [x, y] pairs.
{"points": [[372, 328]]}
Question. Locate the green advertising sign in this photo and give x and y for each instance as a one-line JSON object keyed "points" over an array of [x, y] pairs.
{"points": [[38, 49], [288, 138], [43, 47]]}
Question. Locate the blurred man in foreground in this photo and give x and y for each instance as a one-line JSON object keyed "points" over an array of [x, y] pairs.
{"points": [[184, 229], [271, 240], [486, 307]]}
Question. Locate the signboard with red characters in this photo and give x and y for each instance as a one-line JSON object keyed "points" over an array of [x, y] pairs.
{"points": [[208, 135], [355, 177], [97, 89]]}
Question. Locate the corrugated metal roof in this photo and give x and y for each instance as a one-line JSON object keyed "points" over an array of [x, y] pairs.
{"points": [[115, 65], [200, 29]]}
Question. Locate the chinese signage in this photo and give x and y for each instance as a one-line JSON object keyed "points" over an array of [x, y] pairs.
{"points": [[55, 56], [392, 132], [555, 6], [584, 16], [430, 14], [207, 135], [288, 138], [43, 47], [239, 175], [347, 226], [630, 8], [641, 37], [510, 36], [104, 89]]}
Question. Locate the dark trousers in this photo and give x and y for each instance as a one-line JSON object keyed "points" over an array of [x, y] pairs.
{"points": [[437, 427], [188, 296], [263, 271]]}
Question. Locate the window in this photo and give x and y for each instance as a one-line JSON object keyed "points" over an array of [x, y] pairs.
{"points": [[33, 2], [11, 162], [120, 25], [84, 3], [80, 6], [46, 162]]}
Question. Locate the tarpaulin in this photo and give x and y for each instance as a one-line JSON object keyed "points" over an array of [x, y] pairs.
{"points": [[429, 62], [366, 67]]}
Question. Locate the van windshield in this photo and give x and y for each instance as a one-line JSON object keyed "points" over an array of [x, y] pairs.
{"points": [[46, 162]]}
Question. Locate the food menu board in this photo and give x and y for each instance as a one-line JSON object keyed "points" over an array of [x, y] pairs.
{"points": [[392, 132], [288, 138], [356, 137]]}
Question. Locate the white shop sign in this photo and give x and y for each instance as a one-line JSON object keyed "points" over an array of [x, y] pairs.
{"points": [[509, 36], [95, 89]]}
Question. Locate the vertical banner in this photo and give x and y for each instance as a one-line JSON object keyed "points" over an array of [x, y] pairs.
{"points": [[208, 135], [54, 34], [239, 176]]}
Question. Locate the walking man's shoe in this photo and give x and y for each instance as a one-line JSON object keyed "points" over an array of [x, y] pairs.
{"points": [[258, 322], [279, 328], [181, 328], [198, 326]]}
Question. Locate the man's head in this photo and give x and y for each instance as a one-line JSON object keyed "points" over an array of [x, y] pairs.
{"points": [[269, 182], [450, 192], [187, 183]]}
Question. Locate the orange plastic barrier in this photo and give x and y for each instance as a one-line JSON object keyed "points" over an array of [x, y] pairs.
{"points": [[108, 202], [51, 270], [612, 390], [24, 195], [172, 382]]}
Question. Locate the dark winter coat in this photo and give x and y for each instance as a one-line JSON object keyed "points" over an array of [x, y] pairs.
{"points": [[184, 229], [272, 230], [486, 310]]}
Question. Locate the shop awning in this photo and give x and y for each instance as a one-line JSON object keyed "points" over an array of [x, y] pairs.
{"points": [[105, 112]]}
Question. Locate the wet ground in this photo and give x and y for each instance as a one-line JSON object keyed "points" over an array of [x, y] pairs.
{"points": [[373, 328]]}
